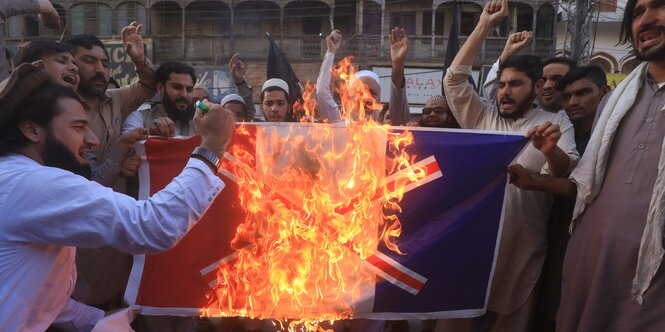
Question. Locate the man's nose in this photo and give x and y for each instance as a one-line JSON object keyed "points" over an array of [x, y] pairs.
{"points": [[90, 138]]}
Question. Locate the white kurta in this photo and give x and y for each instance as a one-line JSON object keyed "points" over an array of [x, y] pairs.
{"points": [[45, 212], [524, 234]]}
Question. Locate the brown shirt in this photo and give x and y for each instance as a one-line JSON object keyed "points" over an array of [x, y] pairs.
{"points": [[602, 253], [107, 118]]}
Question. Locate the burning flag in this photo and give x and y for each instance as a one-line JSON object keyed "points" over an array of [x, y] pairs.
{"points": [[323, 222]]}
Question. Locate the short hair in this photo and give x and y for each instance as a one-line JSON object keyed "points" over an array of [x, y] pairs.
{"points": [[593, 73], [163, 73], [38, 49], [86, 41], [530, 65], [561, 60], [626, 35], [40, 107]]}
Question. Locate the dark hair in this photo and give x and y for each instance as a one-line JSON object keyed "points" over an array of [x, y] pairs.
{"points": [[626, 35], [40, 107], [593, 73], [114, 82], [530, 65], [86, 41], [38, 49], [561, 60], [289, 114], [163, 73]]}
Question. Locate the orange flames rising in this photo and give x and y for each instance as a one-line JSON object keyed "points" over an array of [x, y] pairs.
{"points": [[312, 213]]}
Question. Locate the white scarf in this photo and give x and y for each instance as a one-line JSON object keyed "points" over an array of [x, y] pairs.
{"points": [[590, 173]]}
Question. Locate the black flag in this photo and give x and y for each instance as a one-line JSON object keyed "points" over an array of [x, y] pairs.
{"points": [[279, 67], [453, 44]]}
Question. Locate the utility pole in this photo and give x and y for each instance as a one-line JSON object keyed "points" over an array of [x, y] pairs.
{"points": [[578, 40]]}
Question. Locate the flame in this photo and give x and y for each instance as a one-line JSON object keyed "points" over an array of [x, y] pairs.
{"points": [[317, 204]]}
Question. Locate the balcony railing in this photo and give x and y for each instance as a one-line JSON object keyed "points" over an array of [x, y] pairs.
{"points": [[210, 48]]}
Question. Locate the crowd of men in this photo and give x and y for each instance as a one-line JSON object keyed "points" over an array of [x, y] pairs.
{"points": [[582, 241]]}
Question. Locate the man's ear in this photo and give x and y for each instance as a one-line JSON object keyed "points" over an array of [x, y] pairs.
{"points": [[606, 89], [160, 89], [32, 131], [539, 86]]}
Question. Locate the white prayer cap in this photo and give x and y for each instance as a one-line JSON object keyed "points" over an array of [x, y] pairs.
{"points": [[232, 97], [370, 74], [276, 82]]}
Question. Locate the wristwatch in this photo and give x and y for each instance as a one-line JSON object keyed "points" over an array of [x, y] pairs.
{"points": [[208, 156]]}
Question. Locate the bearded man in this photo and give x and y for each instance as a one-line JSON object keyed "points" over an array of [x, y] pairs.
{"points": [[523, 242], [613, 271], [173, 116]]}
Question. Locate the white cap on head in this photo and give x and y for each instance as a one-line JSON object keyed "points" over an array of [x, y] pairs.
{"points": [[276, 82], [231, 97], [370, 74]]}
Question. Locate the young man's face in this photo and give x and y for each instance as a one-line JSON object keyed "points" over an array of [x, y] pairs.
{"points": [[437, 114], [94, 73], [648, 29], [275, 107], [516, 93], [69, 138], [549, 98], [581, 99], [62, 69]]}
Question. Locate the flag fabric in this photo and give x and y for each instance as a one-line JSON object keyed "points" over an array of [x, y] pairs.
{"points": [[452, 47], [279, 67], [451, 221]]}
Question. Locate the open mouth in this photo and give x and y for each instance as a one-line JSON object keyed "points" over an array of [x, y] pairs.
{"points": [[506, 102], [71, 79], [650, 37]]}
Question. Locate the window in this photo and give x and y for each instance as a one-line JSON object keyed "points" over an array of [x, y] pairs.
{"points": [[438, 24], [128, 12], [545, 22], [93, 19], [372, 23]]}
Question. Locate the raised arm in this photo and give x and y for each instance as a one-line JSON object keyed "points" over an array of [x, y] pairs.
{"points": [[137, 93], [8, 8], [238, 71], [399, 105], [515, 42], [327, 106], [493, 13]]}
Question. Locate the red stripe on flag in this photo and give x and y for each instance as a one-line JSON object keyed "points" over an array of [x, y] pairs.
{"points": [[394, 272]]}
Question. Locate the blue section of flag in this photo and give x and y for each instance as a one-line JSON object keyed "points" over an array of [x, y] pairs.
{"points": [[450, 225]]}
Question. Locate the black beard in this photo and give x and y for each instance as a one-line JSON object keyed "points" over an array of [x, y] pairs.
{"points": [[57, 155], [522, 107], [174, 112], [86, 88]]}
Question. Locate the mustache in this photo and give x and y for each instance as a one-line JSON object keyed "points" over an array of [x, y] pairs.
{"points": [[651, 27], [181, 99], [507, 99], [98, 77]]}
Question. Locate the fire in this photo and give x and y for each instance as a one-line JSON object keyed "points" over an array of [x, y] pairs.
{"points": [[318, 204]]}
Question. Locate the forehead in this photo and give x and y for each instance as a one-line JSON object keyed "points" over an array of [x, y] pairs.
{"points": [[234, 107], [510, 74], [275, 95], [580, 84], [70, 109], [96, 52], [555, 69], [435, 103], [371, 84], [58, 55], [180, 78]]}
